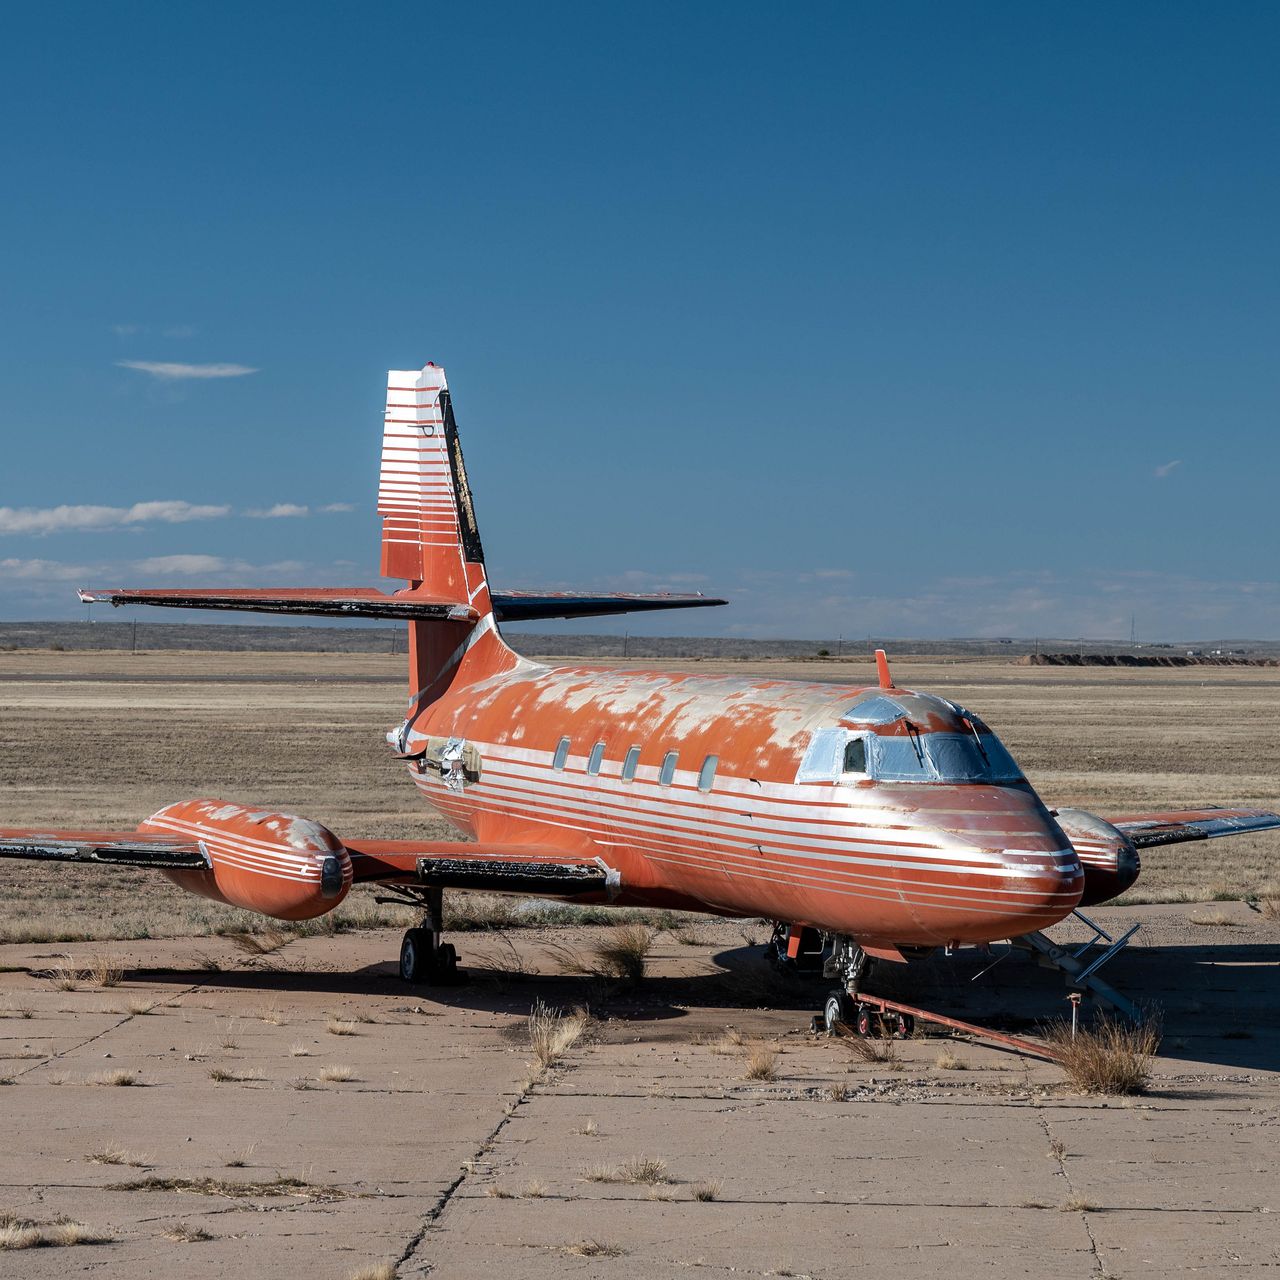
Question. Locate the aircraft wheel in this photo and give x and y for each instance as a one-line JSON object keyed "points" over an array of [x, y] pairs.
{"points": [[444, 968], [863, 1023], [906, 1025], [838, 1009], [416, 956]]}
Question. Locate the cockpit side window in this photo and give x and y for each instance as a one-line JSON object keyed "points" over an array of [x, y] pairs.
{"points": [[855, 756]]}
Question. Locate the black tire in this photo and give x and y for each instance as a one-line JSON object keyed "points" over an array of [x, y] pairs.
{"points": [[906, 1025], [444, 967], [416, 956], [863, 1023], [838, 1009]]}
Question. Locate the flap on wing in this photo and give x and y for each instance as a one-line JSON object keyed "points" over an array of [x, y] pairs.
{"points": [[320, 602], [1149, 829], [117, 848], [527, 606], [497, 868]]}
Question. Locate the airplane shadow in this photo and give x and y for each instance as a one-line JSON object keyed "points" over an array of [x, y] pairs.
{"points": [[1217, 1004]]}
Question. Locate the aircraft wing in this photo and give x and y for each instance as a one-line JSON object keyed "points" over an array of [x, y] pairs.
{"points": [[442, 864], [1147, 830], [497, 868], [155, 849]]}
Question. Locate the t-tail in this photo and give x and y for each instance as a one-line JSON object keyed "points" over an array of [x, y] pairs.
{"points": [[431, 542]]}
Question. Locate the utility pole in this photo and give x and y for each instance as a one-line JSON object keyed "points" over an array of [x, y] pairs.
{"points": [[626, 642], [135, 636]]}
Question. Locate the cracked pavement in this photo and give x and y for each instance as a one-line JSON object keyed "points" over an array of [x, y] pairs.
{"points": [[447, 1155]]}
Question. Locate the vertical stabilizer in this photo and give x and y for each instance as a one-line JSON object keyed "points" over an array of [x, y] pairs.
{"points": [[429, 532]]}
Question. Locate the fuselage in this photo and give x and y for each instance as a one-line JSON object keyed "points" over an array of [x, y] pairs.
{"points": [[891, 816]]}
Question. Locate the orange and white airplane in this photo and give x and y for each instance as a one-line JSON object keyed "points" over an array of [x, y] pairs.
{"points": [[884, 821]]}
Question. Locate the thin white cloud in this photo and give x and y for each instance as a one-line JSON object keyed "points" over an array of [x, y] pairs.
{"points": [[67, 519], [281, 511], [164, 566], [126, 330], [41, 570], [1167, 468], [334, 508], [168, 371], [179, 331]]}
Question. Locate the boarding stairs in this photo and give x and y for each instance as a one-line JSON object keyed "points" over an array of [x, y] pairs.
{"points": [[1079, 968]]}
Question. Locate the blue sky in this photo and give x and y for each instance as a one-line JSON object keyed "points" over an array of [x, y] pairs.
{"points": [[948, 319]]}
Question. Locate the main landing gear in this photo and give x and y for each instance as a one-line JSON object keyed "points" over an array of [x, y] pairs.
{"points": [[424, 959]]}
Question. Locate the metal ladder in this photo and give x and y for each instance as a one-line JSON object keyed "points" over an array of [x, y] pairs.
{"points": [[1078, 970]]}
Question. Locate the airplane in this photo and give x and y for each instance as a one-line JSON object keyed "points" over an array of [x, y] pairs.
{"points": [[870, 823]]}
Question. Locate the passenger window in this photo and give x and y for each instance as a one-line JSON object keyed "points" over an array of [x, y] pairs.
{"points": [[668, 768], [630, 764], [595, 759], [855, 756], [562, 754], [707, 774]]}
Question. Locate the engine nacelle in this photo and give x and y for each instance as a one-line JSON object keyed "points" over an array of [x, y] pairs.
{"points": [[1109, 858], [273, 863]]}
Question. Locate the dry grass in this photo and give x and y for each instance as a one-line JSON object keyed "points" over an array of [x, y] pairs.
{"points": [[881, 1050], [595, 1249], [341, 1027], [375, 1271], [708, 1190], [336, 1074], [1270, 908], [1112, 1057], [140, 1007], [262, 942], [588, 1130], [281, 1186], [181, 1233], [643, 1170], [621, 953], [947, 1060], [534, 1189], [120, 1078], [838, 1093], [1218, 920], [600, 1173], [224, 1075], [17, 1232], [13, 1009], [762, 1063], [299, 1050], [1076, 1203], [1057, 1149], [116, 1155], [496, 1192], [243, 1158], [552, 1033]]}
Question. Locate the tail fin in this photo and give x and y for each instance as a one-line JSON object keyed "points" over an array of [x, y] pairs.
{"points": [[429, 532]]}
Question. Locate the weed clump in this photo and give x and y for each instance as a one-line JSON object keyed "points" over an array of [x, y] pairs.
{"points": [[552, 1033], [1113, 1057]]}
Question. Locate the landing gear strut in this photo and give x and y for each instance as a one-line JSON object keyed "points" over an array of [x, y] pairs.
{"points": [[849, 964], [424, 959]]}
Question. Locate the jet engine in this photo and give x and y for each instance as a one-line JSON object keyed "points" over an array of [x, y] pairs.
{"points": [[273, 863], [1109, 858]]}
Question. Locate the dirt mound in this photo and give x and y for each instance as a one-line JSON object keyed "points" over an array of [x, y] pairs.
{"points": [[1137, 660]]}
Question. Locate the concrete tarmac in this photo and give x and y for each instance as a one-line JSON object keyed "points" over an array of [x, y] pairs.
{"points": [[315, 1119]]}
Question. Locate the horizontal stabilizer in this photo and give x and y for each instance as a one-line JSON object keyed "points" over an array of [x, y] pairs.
{"points": [[130, 849], [1147, 830], [369, 602], [318, 602], [526, 606]]}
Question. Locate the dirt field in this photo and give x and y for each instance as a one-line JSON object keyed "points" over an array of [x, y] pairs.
{"points": [[107, 738], [299, 1113]]}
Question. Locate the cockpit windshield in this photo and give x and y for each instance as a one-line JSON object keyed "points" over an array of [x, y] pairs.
{"points": [[940, 757], [908, 738]]}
